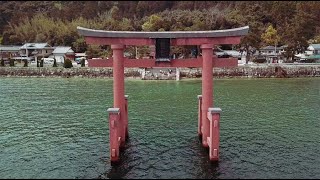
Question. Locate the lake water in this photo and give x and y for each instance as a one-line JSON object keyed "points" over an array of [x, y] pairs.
{"points": [[58, 128]]}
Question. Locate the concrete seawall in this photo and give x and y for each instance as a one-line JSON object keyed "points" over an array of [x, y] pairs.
{"points": [[258, 72], [64, 72], [236, 72]]}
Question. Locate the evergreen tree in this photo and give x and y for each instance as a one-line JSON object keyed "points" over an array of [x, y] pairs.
{"points": [[25, 63], [41, 62], [2, 62], [11, 61], [67, 63], [54, 62], [83, 60]]}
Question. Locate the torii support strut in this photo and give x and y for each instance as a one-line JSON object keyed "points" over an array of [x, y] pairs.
{"points": [[208, 117]]}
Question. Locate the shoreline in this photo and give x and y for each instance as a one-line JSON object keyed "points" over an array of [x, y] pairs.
{"points": [[240, 72], [139, 79]]}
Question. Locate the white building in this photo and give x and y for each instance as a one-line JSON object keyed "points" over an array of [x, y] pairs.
{"points": [[272, 54], [312, 54], [62, 52], [34, 50], [313, 49]]}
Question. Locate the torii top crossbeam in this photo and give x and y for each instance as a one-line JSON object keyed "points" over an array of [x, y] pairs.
{"points": [[164, 39], [164, 34], [102, 37]]}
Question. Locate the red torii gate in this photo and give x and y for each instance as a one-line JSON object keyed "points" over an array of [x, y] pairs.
{"points": [[208, 116]]}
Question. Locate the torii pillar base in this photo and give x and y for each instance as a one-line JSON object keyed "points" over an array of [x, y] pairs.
{"points": [[115, 128]]}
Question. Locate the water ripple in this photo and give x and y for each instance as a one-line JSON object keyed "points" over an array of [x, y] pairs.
{"points": [[58, 128]]}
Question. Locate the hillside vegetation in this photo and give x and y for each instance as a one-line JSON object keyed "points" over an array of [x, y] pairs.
{"points": [[271, 22]]}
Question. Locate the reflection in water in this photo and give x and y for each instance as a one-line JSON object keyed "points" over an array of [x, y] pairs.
{"points": [[201, 166], [207, 169], [120, 169]]}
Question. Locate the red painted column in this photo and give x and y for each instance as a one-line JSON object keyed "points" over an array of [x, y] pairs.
{"points": [[118, 87], [207, 89]]}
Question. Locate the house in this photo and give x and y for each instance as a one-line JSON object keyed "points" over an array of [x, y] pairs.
{"points": [[9, 52], [272, 54], [272, 50], [80, 55], [60, 53], [312, 54], [313, 49], [35, 50], [227, 53]]}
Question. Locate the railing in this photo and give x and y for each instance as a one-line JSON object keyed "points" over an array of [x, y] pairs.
{"points": [[280, 64]]}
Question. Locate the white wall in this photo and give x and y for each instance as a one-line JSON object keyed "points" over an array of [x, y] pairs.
{"points": [[59, 58]]}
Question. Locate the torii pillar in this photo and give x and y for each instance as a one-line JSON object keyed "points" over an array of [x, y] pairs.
{"points": [[118, 89], [207, 89]]}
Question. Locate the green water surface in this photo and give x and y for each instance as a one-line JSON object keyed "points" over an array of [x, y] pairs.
{"points": [[58, 128]]}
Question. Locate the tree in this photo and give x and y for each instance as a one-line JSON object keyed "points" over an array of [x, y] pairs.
{"points": [[37, 60], [248, 13], [125, 25], [41, 62], [55, 22], [282, 12], [250, 43], [96, 51], [83, 60], [11, 61], [67, 63], [25, 63], [80, 45], [301, 29], [115, 13], [271, 37], [54, 62], [154, 23], [2, 62]]}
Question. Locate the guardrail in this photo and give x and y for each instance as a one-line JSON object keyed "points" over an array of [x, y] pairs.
{"points": [[280, 64]]}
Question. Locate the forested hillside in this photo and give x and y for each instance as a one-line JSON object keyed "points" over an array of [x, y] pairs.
{"points": [[271, 22]]}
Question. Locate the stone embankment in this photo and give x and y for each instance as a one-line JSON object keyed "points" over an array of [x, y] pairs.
{"points": [[64, 72], [257, 72], [241, 72]]}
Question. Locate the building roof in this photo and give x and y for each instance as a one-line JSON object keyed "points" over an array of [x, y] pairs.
{"points": [[22, 58], [63, 50], [272, 48], [9, 48], [284, 46], [35, 46], [164, 34], [315, 46], [80, 54], [313, 57]]}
